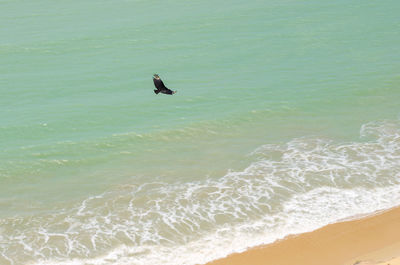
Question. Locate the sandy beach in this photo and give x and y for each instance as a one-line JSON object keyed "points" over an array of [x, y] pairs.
{"points": [[372, 240]]}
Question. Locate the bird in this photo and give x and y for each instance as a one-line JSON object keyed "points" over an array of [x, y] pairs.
{"points": [[158, 83]]}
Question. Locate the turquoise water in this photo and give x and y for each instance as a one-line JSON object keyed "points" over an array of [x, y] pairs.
{"points": [[286, 111]]}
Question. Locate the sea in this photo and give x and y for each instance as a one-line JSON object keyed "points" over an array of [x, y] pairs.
{"points": [[286, 119]]}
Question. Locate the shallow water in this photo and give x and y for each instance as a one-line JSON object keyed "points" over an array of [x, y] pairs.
{"points": [[286, 119]]}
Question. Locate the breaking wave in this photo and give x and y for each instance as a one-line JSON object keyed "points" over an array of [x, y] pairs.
{"points": [[289, 188]]}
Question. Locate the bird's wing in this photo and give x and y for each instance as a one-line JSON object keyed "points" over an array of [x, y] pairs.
{"points": [[159, 84], [169, 91]]}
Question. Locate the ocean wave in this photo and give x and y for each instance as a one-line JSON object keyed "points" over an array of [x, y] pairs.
{"points": [[288, 188]]}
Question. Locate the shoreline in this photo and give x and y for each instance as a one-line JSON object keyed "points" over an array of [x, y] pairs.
{"points": [[368, 240]]}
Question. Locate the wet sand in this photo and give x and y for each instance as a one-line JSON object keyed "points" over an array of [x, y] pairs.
{"points": [[370, 240]]}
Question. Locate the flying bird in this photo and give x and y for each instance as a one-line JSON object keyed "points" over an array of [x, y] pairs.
{"points": [[158, 83]]}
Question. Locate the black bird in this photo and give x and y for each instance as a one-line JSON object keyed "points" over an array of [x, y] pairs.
{"points": [[158, 83]]}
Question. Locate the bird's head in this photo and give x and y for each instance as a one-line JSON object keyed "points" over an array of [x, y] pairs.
{"points": [[173, 92], [156, 76]]}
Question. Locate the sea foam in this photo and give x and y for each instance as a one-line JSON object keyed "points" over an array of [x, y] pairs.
{"points": [[289, 188]]}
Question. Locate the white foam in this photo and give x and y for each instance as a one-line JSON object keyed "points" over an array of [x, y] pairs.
{"points": [[297, 217], [290, 188]]}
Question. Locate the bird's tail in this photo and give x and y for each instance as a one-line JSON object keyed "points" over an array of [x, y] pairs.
{"points": [[156, 91]]}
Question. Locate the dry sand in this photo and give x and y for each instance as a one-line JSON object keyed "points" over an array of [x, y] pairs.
{"points": [[370, 240]]}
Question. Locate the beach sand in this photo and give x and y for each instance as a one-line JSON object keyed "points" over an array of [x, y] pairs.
{"points": [[371, 240]]}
